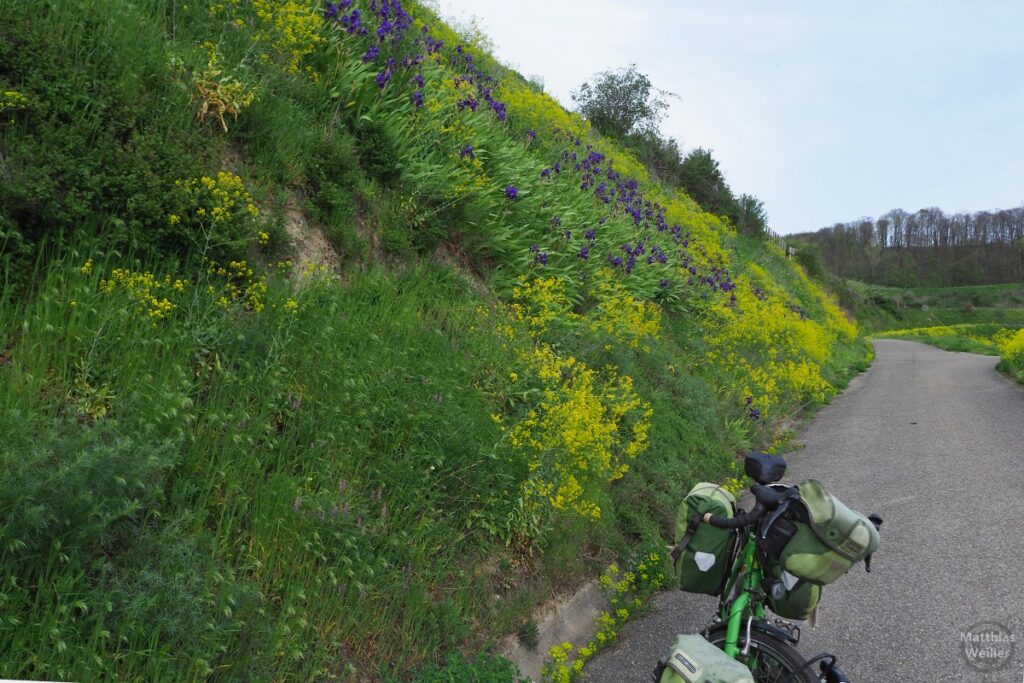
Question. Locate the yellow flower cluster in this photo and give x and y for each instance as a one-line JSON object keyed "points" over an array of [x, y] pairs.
{"points": [[217, 94], [590, 423], [773, 352], [221, 198], [221, 207], [11, 100], [145, 288], [538, 111], [621, 316], [244, 287], [965, 331], [624, 590], [1011, 348], [579, 436], [542, 303], [293, 29]]}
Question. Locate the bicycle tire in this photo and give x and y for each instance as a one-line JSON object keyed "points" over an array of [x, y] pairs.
{"points": [[774, 659]]}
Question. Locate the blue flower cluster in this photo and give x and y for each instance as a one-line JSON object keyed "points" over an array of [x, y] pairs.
{"points": [[462, 60], [392, 23], [624, 198], [351, 23], [798, 310]]}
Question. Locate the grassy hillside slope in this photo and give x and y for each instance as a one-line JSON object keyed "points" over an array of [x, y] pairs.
{"points": [[220, 464]]}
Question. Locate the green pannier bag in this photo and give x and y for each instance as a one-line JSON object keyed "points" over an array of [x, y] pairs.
{"points": [[702, 553], [694, 660], [825, 538], [796, 599]]}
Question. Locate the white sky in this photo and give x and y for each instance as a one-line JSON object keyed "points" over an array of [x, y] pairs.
{"points": [[827, 111]]}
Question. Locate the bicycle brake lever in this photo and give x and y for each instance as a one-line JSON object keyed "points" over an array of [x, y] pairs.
{"points": [[772, 518]]}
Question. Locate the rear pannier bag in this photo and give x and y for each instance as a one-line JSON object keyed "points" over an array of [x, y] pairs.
{"points": [[702, 553], [822, 538]]}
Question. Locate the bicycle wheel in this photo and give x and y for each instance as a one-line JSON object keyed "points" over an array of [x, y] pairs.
{"points": [[771, 660]]}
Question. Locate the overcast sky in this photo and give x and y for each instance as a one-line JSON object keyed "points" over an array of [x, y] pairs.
{"points": [[827, 111]]}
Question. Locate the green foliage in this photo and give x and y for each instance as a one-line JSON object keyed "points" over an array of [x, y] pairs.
{"points": [[750, 217], [219, 471], [887, 308], [1011, 350], [484, 668], [701, 178], [660, 155], [621, 102], [529, 634], [377, 153], [108, 132], [978, 338]]}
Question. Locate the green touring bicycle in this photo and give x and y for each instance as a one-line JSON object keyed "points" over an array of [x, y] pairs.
{"points": [[775, 558]]}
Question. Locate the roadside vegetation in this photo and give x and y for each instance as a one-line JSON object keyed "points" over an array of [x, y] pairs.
{"points": [[980, 338], [224, 462]]}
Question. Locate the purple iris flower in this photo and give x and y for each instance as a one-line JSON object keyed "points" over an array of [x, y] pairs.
{"points": [[546, 173], [584, 252], [417, 98], [371, 54], [590, 234], [467, 151], [542, 258], [382, 78], [512, 192]]}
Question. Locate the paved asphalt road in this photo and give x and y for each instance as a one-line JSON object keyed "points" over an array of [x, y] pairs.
{"points": [[934, 442]]}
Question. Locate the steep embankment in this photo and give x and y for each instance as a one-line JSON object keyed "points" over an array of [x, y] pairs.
{"points": [[218, 465]]}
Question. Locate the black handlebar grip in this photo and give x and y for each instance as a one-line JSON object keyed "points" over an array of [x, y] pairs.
{"points": [[737, 522]]}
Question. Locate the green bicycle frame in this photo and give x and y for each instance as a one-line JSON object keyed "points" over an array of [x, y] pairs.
{"points": [[748, 570]]}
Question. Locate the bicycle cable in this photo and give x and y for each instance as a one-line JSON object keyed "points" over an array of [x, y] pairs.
{"points": [[809, 662]]}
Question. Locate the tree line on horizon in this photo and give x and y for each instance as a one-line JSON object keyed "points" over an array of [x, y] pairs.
{"points": [[929, 248]]}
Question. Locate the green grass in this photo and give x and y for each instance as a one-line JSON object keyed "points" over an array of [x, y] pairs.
{"points": [[242, 492], [887, 308], [265, 491]]}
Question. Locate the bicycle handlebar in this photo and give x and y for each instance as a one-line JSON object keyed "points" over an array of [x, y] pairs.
{"points": [[739, 521], [768, 498]]}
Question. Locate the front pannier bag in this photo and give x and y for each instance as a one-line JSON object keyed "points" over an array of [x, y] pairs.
{"points": [[792, 598], [827, 541], [694, 660], [703, 552]]}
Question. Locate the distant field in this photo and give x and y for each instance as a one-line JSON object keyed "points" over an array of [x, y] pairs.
{"points": [[880, 308]]}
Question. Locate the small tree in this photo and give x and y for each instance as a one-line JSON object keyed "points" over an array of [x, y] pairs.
{"points": [[621, 102], [701, 178], [751, 218]]}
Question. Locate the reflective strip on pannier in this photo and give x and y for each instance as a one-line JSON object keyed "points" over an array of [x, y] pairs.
{"points": [[702, 553]]}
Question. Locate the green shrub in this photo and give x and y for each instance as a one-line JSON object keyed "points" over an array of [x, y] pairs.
{"points": [[484, 668]]}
